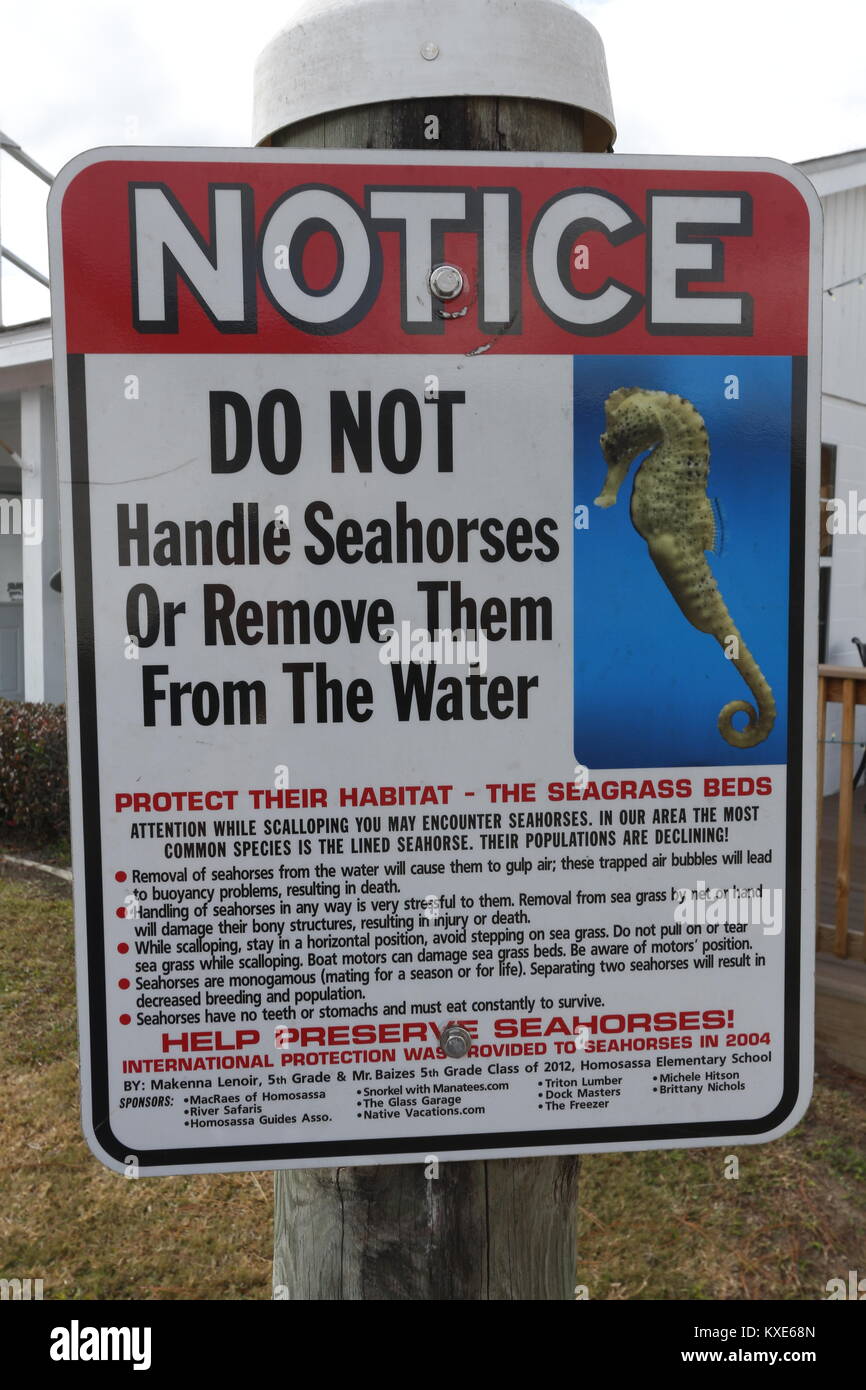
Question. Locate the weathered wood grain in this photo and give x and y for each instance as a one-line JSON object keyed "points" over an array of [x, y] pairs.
{"points": [[465, 123], [497, 1230]]}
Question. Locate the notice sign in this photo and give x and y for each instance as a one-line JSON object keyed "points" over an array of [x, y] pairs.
{"points": [[438, 545]]}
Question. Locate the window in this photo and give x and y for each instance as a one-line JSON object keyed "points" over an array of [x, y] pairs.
{"points": [[828, 490], [823, 612], [825, 545]]}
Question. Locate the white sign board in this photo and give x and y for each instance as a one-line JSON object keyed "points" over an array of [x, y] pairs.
{"points": [[437, 662]]}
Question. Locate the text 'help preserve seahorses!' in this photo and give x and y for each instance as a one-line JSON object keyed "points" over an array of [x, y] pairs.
{"points": [[671, 510]]}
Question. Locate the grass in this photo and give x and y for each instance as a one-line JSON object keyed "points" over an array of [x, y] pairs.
{"points": [[87, 1232], [656, 1226], [672, 1225]]}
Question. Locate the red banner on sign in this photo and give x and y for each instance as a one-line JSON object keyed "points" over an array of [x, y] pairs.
{"points": [[628, 264]]}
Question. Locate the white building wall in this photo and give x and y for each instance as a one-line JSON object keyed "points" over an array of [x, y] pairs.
{"points": [[844, 425], [27, 413], [845, 314]]}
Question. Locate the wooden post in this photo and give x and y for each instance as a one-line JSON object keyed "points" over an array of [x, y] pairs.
{"points": [[503, 1229], [500, 1229]]}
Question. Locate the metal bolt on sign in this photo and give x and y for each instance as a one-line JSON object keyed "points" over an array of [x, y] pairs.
{"points": [[454, 1040], [446, 281]]}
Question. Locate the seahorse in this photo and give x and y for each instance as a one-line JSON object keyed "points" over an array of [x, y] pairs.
{"points": [[671, 511]]}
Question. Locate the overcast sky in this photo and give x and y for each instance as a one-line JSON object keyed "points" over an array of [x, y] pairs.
{"points": [[735, 77]]}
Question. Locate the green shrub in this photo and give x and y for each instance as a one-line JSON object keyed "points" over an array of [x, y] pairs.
{"points": [[34, 786]]}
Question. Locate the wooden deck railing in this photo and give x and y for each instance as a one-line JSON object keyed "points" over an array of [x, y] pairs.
{"points": [[845, 686]]}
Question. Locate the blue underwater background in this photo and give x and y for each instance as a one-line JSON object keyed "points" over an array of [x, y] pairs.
{"points": [[648, 687]]}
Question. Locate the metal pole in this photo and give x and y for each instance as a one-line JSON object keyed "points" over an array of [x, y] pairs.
{"points": [[24, 265], [11, 147]]}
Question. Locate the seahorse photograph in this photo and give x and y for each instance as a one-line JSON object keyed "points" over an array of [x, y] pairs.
{"points": [[685, 491]]}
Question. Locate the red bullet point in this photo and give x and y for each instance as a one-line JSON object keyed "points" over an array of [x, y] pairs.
{"points": [[125, 1018], [120, 876], [121, 912], [123, 947], [123, 984]]}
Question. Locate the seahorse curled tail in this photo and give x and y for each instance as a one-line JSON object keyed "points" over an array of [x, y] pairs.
{"points": [[760, 723]]}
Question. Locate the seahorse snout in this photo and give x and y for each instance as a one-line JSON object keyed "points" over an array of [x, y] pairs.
{"points": [[617, 468]]}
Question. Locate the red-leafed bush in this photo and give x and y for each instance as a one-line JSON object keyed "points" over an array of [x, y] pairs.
{"points": [[34, 786]]}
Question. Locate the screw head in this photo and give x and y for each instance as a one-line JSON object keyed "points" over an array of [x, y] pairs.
{"points": [[455, 1041], [446, 281], [430, 51]]}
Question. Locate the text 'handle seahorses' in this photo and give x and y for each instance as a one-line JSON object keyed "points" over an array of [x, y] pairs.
{"points": [[671, 510]]}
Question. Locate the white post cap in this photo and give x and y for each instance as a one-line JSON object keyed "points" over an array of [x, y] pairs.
{"points": [[340, 53]]}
